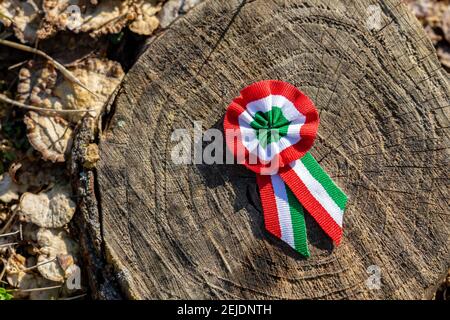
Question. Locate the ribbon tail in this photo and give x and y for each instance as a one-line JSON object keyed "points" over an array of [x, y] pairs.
{"points": [[283, 213], [317, 193]]}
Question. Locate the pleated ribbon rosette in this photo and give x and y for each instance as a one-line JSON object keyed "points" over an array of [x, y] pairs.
{"points": [[270, 128]]}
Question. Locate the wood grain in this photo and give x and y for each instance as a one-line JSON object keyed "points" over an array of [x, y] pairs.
{"points": [[196, 231]]}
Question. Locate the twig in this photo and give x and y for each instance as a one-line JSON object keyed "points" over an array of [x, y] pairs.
{"points": [[5, 35], [5, 262], [57, 65], [9, 234], [38, 109], [8, 244], [19, 64], [8, 223], [6, 17], [75, 297], [36, 289], [38, 265]]}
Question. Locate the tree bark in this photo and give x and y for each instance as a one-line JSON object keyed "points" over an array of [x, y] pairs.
{"points": [[171, 231]]}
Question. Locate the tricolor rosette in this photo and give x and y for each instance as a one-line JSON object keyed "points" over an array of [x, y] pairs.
{"points": [[270, 128], [271, 122]]}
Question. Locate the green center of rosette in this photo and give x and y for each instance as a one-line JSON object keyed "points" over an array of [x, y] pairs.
{"points": [[270, 126]]}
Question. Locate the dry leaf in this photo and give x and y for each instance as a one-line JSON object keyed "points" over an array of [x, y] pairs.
{"points": [[22, 16], [99, 19], [146, 22], [50, 209], [50, 135], [54, 242], [32, 174], [43, 88]]}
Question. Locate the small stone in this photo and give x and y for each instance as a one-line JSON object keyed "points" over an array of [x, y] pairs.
{"points": [[51, 209]]}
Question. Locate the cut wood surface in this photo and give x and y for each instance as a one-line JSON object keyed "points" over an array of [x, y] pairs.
{"points": [[196, 231]]}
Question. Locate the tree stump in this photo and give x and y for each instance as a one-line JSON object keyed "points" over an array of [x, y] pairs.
{"points": [[161, 230]]}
